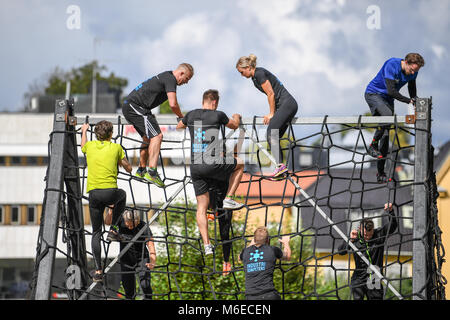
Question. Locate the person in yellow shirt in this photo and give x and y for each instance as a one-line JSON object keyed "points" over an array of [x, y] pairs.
{"points": [[103, 158]]}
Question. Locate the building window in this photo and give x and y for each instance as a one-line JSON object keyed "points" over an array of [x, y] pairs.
{"points": [[2, 215], [407, 216], [15, 215], [16, 161], [31, 215]]}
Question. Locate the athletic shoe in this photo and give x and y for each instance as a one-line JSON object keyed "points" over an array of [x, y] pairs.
{"points": [[140, 173], [231, 204], [96, 277], [113, 236], [211, 216], [381, 178], [156, 180], [374, 152], [209, 249], [279, 170], [226, 268]]}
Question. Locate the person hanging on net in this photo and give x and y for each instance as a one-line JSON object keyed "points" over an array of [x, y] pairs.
{"points": [[282, 106], [259, 260], [208, 165], [140, 258], [370, 242], [137, 108], [217, 194], [103, 158], [380, 94]]}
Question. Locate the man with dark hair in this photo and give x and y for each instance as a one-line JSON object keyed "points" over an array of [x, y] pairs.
{"points": [[208, 165], [259, 264], [137, 110], [103, 158], [380, 94], [370, 243]]}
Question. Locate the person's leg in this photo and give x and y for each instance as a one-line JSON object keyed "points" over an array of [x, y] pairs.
{"points": [[236, 177], [278, 125], [145, 281], [128, 277], [202, 221], [136, 116], [379, 106], [231, 174], [153, 150], [119, 197], [358, 290], [225, 217], [375, 294], [96, 208], [143, 154]]}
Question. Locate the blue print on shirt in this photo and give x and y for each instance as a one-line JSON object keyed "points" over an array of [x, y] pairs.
{"points": [[256, 266], [199, 137]]}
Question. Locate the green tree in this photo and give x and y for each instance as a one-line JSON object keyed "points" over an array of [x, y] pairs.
{"points": [[183, 272], [81, 80]]}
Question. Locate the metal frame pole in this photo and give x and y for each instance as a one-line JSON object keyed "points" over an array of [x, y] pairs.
{"points": [[52, 205], [421, 169], [74, 200]]}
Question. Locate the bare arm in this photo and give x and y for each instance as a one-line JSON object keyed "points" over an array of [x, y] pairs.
{"points": [[234, 122], [286, 247], [126, 165], [181, 125], [84, 129], [267, 87], [152, 253], [173, 102]]}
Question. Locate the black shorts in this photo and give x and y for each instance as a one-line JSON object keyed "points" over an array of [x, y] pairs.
{"points": [[205, 176], [142, 119]]}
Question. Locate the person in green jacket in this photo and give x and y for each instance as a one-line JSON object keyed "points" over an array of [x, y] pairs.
{"points": [[103, 158]]}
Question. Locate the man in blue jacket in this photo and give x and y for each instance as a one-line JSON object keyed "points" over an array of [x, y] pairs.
{"points": [[380, 94]]}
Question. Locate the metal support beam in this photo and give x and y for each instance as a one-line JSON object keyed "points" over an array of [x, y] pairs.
{"points": [[75, 217], [421, 170], [52, 202]]}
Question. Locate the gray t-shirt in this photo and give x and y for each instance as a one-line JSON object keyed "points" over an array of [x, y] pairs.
{"points": [[259, 264], [152, 92], [261, 76], [204, 127]]}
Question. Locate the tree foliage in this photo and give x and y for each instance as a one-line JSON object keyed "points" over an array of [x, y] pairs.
{"points": [[81, 79]]}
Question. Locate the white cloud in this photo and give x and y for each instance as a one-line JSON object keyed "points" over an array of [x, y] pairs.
{"points": [[438, 50]]}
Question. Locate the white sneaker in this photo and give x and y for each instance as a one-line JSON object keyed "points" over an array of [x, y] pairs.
{"points": [[209, 249], [231, 204]]}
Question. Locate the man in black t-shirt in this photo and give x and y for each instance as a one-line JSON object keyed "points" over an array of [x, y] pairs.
{"points": [[259, 264], [208, 165], [370, 242], [137, 110], [139, 258]]}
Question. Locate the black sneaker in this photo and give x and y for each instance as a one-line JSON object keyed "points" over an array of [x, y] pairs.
{"points": [[374, 152], [381, 178], [113, 236], [96, 277]]}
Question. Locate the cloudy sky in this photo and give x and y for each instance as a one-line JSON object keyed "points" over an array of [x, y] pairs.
{"points": [[324, 52]]}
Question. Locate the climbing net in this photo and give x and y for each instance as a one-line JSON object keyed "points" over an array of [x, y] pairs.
{"points": [[331, 186]]}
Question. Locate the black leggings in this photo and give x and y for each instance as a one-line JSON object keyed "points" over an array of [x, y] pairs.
{"points": [[98, 200], [217, 193], [132, 266], [360, 290], [286, 109]]}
